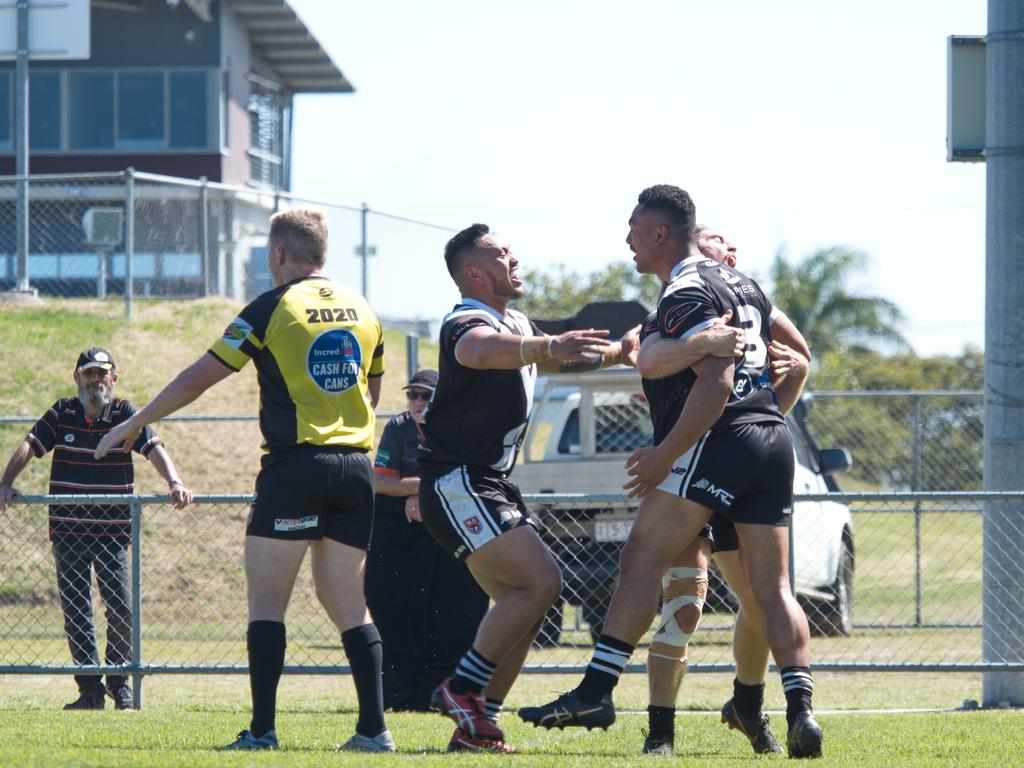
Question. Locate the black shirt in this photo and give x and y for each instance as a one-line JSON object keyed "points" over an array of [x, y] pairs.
{"points": [[699, 291], [477, 417], [72, 436]]}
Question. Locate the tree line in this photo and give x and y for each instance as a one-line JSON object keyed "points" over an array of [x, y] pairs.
{"points": [[858, 345]]}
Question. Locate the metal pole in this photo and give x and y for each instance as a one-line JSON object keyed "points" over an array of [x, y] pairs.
{"points": [[918, 432], [204, 235], [791, 565], [21, 123], [364, 252], [136, 509], [1003, 542], [412, 353], [129, 241], [101, 273]]}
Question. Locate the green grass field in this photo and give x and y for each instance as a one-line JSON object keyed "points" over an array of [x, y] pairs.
{"points": [[191, 615], [185, 718]]}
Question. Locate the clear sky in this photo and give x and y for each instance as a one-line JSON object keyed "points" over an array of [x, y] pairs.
{"points": [[794, 124]]}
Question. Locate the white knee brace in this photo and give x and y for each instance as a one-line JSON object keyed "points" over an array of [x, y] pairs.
{"points": [[669, 632]]}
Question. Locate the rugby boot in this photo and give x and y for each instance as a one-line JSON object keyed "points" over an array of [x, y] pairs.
{"points": [[657, 745], [382, 742], [754, 728], [246, 741], [467, 710], [805, 736], [568, 710], [461, 742]]}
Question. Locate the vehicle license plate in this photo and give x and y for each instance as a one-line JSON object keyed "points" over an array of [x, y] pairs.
{"points": [[612, 530]]}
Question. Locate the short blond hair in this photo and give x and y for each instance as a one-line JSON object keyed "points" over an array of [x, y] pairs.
{"points": [[302, 232]]}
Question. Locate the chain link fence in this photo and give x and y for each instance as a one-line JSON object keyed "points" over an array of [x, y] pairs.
{"points": [[135, 235], [171, 587], [920, 441]]}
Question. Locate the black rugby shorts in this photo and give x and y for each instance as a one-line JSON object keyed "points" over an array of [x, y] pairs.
{"points": [[464, 508], [314, 492], [744, 473]]}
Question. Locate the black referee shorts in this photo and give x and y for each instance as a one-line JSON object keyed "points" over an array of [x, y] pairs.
{"points": [[744, 473], [313, 492], [464, 508]]}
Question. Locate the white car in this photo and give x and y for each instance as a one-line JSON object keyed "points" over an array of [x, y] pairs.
{"points": [[582, 429]]}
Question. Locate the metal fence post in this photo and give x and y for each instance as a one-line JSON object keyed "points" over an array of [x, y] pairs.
{"points": [[204, 237], [918, 436], [21, 110], [363, 251], [791, 565], [136, 510], [412, 353], [129, 241]]}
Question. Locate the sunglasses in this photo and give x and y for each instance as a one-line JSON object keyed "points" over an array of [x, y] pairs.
{"points": [[424, 396]]}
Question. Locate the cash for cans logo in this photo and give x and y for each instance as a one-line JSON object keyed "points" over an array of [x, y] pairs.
{"points": [[334, 359]]}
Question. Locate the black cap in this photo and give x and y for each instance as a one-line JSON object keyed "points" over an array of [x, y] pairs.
{"points": [[425, 379], [96, 357]]}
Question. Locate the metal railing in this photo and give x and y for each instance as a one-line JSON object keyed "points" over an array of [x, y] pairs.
{"points": [[134, 234], [187, 609]]}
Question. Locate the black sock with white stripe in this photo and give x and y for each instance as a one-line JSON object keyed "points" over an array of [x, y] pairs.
{"points": [[492, 708], [606, 665], [473, 673], [798, 685]]}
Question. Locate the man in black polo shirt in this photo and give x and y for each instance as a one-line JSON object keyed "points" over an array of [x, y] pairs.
{"points": [[86, 537]]}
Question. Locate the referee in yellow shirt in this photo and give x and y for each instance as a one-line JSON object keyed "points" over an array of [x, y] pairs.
{"points": [[319, 353]]}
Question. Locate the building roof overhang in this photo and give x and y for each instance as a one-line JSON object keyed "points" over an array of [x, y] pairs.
{"points": [[282, 40]]}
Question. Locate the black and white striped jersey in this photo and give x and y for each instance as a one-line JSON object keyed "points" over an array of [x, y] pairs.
{"points": [[699, 291], [72, 436], [477, 417]]}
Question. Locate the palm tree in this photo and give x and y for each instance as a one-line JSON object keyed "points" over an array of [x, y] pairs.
{"points": [[815, 294]]}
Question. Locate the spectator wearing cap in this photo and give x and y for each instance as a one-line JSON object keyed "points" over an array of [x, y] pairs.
{"points": [[425, 603], [92, 537]]}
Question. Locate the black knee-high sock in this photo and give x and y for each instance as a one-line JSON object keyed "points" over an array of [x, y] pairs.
{"points": [[609, 660], [748, 698], [798, 685], [266, 644], [363, 648], [662, 722]]}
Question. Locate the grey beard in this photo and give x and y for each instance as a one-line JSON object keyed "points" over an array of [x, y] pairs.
{"points": [[97, 397]]}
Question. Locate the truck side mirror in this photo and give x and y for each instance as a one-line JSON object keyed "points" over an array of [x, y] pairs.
{"points": [[834, 461]]}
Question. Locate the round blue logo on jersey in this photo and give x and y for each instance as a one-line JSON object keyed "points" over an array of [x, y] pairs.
{"points": [[334, 359]]}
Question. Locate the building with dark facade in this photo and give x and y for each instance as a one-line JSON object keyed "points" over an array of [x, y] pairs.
{"points": [[179, 87], [194, 89]]}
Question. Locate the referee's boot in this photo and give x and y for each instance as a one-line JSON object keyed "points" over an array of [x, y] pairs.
{"points": [[805, 736], [88, 698], [754, 727], [567, 711]]}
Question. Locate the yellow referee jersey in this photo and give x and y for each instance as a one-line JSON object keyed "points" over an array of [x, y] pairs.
{"points": [[314, 343]]}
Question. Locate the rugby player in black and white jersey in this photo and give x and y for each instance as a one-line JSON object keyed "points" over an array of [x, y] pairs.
{"points": [[684, 583], [472, 433], [720, 445]]}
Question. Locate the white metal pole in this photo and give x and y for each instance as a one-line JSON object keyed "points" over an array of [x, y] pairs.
{"points": [[21, 108]]}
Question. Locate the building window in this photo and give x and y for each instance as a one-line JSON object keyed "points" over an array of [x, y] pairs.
{"points": [[265, 136], [140, 110], [44, 110], [115, 110], [91, 113], [189, 102], [5, 112]]}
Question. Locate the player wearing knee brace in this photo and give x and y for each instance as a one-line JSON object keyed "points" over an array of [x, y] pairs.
{"points": [[684, 590]]}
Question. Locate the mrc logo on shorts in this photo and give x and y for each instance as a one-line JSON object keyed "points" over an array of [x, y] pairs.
{"points": [[334, 359]]}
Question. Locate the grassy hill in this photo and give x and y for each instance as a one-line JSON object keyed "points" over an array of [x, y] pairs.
{"points": [[40, 345]]}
